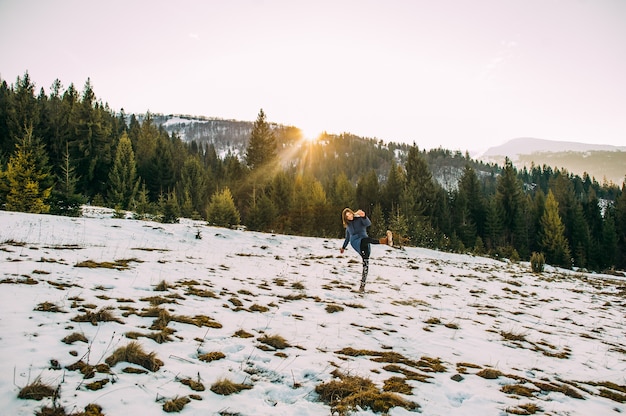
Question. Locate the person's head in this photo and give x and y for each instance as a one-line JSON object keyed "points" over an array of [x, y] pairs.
{"points": [[346, 216]]}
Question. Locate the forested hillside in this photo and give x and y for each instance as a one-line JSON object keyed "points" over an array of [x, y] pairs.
{"points": [[66, 148]]}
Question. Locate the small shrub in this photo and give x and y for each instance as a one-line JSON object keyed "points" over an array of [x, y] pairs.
{"points": [[226, 387], [537, 262]]}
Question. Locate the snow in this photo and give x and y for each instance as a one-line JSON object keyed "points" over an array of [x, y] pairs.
{"points": [[418, 303]]}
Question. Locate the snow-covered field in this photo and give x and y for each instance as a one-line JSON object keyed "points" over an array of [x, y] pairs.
{"points": [[438, 323]]}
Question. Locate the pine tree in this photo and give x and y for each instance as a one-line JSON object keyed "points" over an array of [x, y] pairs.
{"points": [[27, 180], [261, 148], [262, 212], [511, 203], [620, 227], [123, 181], [66, 201], [143, 206], [553, 241], [169, 208], [221, 210]]}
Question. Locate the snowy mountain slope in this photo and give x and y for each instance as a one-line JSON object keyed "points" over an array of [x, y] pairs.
{"points": [[602, 162], [529, 145], [426, 317]]}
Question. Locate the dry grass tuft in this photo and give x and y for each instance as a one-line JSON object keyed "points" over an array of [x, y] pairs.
{"points": [[350, 392], [103, 315], [334, 308], [90, 410], [259, 308], [489, 373], [242, 334], [134, 353], [97, 385], [397, 385], [36, 391], [518, 390], [75, 337], [226, 387], [121, 264], [176, 404], [211, 356], [510, 336], [275, 341], [193, 384], [48, 307], [524, 409]]}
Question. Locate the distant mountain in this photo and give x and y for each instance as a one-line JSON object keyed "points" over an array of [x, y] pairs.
{"points": [[527, 145], [602, 162]]}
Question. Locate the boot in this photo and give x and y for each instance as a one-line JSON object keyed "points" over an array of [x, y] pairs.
{"points": [[387, 240]]}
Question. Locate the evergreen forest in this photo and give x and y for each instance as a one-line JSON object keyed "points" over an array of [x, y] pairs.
{"points": [[62, 149]]}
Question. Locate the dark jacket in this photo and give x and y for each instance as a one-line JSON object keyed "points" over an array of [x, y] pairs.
{"points": [[355, 232]]}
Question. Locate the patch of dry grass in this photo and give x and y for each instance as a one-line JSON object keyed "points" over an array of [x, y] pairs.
{"points": [[49, 307], [121, 264], [36, 390], [274, 341], [225, 387], [134, 353], [75, 337], [348, 393], [103, 315], [176, 404], [211, 356]]}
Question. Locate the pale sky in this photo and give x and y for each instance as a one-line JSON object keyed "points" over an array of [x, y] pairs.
{"points": [[463, 75]]}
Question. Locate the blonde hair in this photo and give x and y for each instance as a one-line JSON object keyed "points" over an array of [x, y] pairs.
{"points": [[343, 216]]}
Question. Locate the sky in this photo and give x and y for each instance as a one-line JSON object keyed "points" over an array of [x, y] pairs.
{"points": [[463, 75], [467, 313]]}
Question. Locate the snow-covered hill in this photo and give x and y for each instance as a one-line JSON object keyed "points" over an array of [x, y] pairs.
{"points": [[451, 334], [529, 145]]}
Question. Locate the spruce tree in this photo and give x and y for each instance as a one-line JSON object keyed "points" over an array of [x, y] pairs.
{"points": [[66, 201], [221, 210], [511, 203], [123, 181], [553, 241], [261, 148], [27, 180]]}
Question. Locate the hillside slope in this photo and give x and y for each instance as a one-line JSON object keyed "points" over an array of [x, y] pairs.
{"points": [[460, 335]]}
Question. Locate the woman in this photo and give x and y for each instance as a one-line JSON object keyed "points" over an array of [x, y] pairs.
{"points": [[356, 224]]}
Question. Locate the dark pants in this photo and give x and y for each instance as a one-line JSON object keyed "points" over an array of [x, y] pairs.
{"points": [[365, 247]]}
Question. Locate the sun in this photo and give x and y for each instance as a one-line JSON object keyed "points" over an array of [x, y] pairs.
{"points": [[309, 136]]}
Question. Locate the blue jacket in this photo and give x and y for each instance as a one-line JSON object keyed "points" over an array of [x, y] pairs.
{"points": [[356, 231]]}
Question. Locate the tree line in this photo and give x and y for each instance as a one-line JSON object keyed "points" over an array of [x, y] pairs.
{"points": [[66, 148]]}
